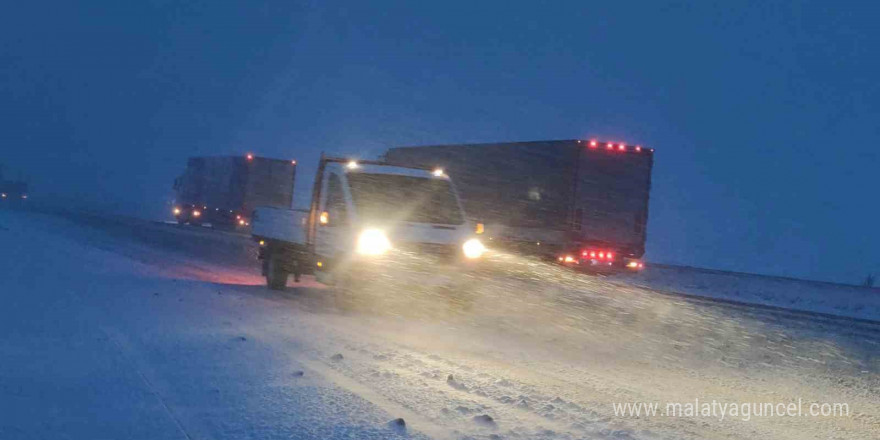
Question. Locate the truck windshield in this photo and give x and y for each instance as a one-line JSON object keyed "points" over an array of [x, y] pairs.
{"points": [[405, 198]]}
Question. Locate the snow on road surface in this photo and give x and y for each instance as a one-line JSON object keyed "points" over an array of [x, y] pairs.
{"points": [[116, 329]]}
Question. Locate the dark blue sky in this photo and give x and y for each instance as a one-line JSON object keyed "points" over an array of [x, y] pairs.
{"points": [[764, 116]]}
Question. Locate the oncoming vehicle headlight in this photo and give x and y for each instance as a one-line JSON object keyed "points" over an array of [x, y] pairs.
{"points": [[473, 248], [373, 242]]}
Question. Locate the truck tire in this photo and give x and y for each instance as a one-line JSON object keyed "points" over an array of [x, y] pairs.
{"points": [[276, 277]]}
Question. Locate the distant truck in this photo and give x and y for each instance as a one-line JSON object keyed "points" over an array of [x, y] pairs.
{"points": [[581, 202], [365, 217], [12, 191], [223, 190]]}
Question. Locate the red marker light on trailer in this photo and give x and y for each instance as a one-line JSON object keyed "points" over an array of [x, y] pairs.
{"points": [[621, 147], [293, 162], [638, 148], [610, 256], [610, 146], [592, 254], [601, 254], [594, 144], [250, 156]]}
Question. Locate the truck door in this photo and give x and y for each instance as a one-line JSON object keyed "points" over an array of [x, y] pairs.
{"points": [[331, 237]]}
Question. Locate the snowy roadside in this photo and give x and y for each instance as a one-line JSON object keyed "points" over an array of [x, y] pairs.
{"points": [[811, 296]]}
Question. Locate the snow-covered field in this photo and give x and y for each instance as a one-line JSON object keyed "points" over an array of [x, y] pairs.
{"points": [[118, 329], [813, 296]]}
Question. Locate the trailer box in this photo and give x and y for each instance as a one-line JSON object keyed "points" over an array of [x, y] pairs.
{"points": [[549, 197]]}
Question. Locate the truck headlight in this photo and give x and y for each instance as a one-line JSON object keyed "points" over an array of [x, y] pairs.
{"points": [[373, 242], [473, 248]]}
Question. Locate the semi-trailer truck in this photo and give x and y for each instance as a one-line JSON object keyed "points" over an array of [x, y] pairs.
{"points": [[580, 202], [364, 217], [223, 190]]}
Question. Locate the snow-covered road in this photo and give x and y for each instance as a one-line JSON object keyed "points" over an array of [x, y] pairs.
{"points": [[121, 329]]}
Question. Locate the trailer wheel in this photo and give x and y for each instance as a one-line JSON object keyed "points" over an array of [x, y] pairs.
{"points": [[276, 277]]}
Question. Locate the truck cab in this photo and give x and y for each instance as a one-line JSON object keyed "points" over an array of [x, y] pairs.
{"points": [[365, 215]]}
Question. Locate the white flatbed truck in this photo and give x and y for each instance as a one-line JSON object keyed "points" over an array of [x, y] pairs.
{"points": [[363, 214]]}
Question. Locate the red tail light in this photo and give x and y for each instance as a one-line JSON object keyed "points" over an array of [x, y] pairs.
{"points": [[621, 147], [594, 144], [601, 255]]}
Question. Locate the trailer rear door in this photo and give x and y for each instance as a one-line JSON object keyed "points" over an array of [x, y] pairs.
{"points": [[611, 202]]}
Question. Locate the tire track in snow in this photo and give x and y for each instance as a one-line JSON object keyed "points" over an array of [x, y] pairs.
{"points": [[452, 407], [127, 353], [413, 419]]}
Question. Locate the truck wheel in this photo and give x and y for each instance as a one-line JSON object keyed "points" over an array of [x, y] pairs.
{"points": [[276, 277]]}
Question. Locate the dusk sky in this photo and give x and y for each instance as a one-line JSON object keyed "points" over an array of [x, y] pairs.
{"points": [[764, 115]]}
